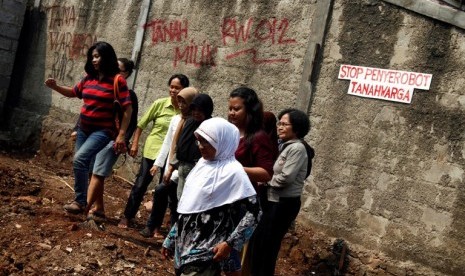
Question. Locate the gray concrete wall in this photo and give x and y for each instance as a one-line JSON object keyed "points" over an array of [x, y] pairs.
{"points": [[11, 22], [221, 45], [387, 176]]}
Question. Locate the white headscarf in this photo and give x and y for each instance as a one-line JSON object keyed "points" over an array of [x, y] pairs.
{"points": [[220, 181]]}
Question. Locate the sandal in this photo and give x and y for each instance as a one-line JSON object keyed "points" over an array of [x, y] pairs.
{"points": [[124, 223], [158, 236], [74, 207], [146, 233], [97, 216]]}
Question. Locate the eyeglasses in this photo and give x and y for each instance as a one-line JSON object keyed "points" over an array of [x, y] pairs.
{"points": [[283, 124], [204, 143]]}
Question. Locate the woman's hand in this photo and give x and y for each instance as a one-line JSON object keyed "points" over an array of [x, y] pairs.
{"points": [[168, 173], [63, 90], [222, 251], [133, 150], [154, 170], [51, 83], [120, 145]]}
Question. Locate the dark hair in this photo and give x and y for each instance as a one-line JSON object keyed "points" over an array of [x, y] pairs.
{"points": [[253, 108], [204, 103], [108, 62], [183, 79], [298, 119], [269, 125], [128, 65]]}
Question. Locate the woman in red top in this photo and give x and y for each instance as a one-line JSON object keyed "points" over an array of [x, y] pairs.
{"points": [[96, 121], [256, 153]]}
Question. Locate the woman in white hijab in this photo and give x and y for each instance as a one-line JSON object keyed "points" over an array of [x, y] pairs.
{"points": [[205, 232]]}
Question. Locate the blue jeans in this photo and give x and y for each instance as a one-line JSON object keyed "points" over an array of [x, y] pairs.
{"points": [[86, 147], [104, 160]]}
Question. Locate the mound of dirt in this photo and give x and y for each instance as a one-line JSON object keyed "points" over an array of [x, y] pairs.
{"points": [[38, 237]]}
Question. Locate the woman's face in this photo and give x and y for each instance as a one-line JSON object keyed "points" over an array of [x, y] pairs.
{"points": [[237, 114], [175, 87], [183, 106], [207, 151], [122, 70], [96, 59], [198, 115], [285, 131]]}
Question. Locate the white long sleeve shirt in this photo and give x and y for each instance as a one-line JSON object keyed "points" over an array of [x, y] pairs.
{"points": [[165, 149]]}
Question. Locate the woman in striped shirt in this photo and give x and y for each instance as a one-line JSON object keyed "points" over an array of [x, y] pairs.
{"points": [[96, 122]]}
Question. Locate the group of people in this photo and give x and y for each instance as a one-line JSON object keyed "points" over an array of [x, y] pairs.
{"points": [[233, 186]]}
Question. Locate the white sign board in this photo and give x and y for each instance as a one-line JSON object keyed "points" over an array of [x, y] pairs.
{"points": [[384, 84]]}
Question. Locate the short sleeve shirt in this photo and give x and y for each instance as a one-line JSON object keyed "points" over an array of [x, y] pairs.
{"points": [[159, 114], [98, 96]]}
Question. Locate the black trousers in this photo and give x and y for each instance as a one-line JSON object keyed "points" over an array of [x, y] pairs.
{"points": [[143, 180], [163, 195], [276, 220]]}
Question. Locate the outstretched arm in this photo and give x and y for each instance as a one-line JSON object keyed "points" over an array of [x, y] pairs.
{"points": [[63, 90]]}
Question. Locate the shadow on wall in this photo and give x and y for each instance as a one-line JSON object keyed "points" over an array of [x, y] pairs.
{"points": [[25, 107]]}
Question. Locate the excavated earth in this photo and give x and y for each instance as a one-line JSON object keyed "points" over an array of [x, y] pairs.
{"points": [[38, 237]]}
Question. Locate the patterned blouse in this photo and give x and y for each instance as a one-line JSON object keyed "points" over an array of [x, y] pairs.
{"points": [[194, 236]]}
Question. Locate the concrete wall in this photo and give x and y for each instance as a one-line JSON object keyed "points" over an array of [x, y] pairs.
{"points": [[388, 176], [11, 22], [222, 45]]}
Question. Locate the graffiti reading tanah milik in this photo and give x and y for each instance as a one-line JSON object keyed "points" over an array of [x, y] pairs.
{"points": [[243, 38]]}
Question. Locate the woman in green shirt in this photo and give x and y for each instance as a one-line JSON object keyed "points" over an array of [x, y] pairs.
{"points": [[159, 114]]}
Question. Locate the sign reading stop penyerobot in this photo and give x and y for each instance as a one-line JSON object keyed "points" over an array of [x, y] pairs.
{"points": [[384, 84]]}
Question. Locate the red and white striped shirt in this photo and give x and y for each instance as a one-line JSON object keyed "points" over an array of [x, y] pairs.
{"points": [[97, 112]]}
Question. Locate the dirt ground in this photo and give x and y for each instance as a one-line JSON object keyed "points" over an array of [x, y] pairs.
{"points": [[39, 237]]}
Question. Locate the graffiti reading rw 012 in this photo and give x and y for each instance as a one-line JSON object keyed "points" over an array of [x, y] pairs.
{"points": [[384, 84], [241, 37]]}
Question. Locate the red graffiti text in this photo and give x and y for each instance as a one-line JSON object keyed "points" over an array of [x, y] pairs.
{"points": [[61, 66], [163, 31], [272, 30], [73, 45], [255, 59], [197, 55], [60, 16]]}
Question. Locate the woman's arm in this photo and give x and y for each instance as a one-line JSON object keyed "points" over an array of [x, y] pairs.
{"points": [[120, 141], [263, 152], [135, 142], [243, 230], [63, 90], [149, 116], [166, 146], [257, 174], [293, 158], [169, 243], [246, 225]]}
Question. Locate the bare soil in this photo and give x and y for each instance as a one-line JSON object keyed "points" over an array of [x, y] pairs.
{"points": [[38, 237]]}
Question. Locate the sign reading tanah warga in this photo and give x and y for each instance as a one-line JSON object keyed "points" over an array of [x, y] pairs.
{"points": [[384, 84]]}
